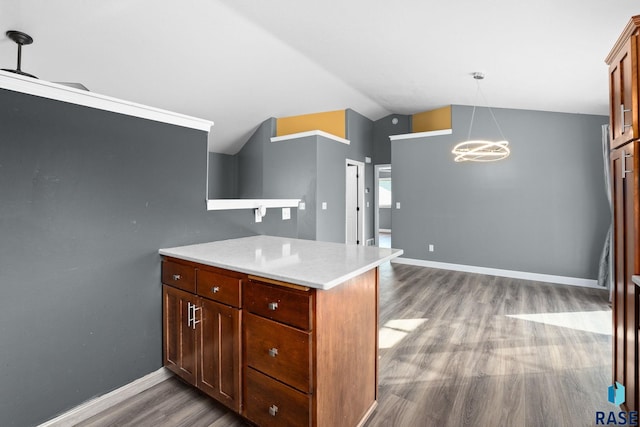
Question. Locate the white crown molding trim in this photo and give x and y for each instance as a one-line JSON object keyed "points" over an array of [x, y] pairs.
{"points": [[95, 406], [548, 278], [310, 133], [420, 134], [230, 204], [58, 92]]}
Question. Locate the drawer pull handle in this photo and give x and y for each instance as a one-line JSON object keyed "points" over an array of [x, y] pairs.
{"points": [[215, 289], [273, 306], [177, 277], [273, 410], [273, 352], [623, 124]]}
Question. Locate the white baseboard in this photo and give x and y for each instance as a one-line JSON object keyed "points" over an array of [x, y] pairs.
{"points": [[562, 280], [384, 230], [95, 406]]}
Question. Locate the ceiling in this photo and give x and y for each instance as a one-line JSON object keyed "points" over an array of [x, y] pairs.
{"points": [[239, 62]]}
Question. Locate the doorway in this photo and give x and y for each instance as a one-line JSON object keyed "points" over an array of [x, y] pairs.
{"points": [[354, 191], [382, 206]]}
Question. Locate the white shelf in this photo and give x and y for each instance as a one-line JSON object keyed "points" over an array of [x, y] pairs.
{"points": [[58, 92], [230, 204], [421, 134], [310, 133]]}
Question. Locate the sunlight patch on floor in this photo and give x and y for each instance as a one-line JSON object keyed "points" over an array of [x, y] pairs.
{"points": [[598, 322], [395, 330]]}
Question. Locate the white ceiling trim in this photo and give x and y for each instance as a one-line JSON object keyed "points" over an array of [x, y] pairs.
{"points": [[44, 89]]}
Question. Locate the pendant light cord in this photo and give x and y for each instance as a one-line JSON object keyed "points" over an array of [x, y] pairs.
{"points": [[473, 113], [490, 111]]}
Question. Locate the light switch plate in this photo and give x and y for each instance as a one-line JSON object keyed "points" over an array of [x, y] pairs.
{"points": [[324, 206], [302, 206], [397, 205]]}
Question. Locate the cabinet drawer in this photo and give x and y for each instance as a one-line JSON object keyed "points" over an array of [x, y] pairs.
{"points": [[283, 305], [270, 403], [179, 275], [219, 287], [279, 351]]}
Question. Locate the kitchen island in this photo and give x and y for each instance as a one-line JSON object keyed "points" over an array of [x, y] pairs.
{"points": [[283, 331]]}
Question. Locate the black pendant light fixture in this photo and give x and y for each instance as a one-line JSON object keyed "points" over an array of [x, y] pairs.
{"points": [[21, 39]]}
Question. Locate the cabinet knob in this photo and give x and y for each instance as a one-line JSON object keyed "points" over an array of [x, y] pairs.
{"points": [[273, 410], [273, 306], [177, 277], [273, 352], [215, 289]]}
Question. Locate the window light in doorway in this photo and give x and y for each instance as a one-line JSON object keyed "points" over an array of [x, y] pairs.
{"points": [[481, 150]]}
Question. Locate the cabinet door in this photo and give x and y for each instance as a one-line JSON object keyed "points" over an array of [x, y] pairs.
{"points": [[179, 345], [623, 87], [219, 340], [624, 162]]}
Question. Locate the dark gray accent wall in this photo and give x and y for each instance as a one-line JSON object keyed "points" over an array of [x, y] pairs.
{"points": [[250, 161], [223, 176], [87, 199], [290, 172], [382, 129], [542, 210]]}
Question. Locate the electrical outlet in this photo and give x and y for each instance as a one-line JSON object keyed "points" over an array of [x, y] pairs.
{"points": [[397, 205], [286, 213], [302, 206], [324, 206], [431, 248]]}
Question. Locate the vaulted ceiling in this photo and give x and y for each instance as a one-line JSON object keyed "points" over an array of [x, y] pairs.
{"points": [[238, 62]]}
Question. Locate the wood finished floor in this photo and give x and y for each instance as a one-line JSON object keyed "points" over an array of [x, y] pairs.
{"points": [[451, 355]]}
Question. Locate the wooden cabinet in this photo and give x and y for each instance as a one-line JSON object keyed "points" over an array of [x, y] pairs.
{"points": [[202, 331], [625, 193], [624, 112], [311, 355], [624, 85], [277, 353], [179, 334]]}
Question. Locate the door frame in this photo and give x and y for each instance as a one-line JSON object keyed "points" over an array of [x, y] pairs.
{"points": [[376, 201], [361, 205]]}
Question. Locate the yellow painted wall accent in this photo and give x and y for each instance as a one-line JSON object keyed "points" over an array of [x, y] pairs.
{"points": [[432, 120], [333, 122]]}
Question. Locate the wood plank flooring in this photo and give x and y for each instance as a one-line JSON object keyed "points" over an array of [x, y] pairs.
{"points": [[453, 354]]}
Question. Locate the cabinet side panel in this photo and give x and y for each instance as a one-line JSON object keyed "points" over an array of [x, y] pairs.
{"points": [[346, 351]]}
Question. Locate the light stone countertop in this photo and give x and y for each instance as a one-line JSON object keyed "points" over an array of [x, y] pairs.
{"points": [[319, 265]]}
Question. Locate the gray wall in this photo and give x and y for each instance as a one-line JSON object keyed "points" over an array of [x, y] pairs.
{"points": [[312, 169], [88, 197], [223, 176], [384, 220], [542, 210], [382, 129], [360, 133], [290, 172], [250, 161]]}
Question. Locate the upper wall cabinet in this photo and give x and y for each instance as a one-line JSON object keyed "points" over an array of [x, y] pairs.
{"points": [[623, 85]]}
